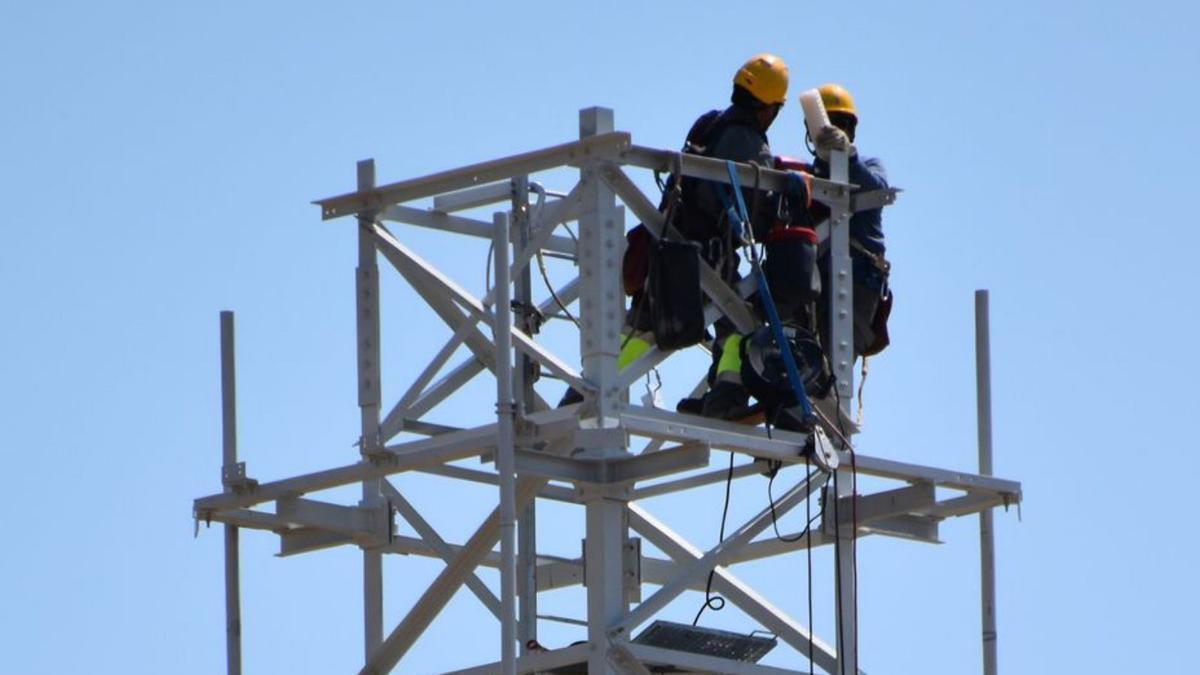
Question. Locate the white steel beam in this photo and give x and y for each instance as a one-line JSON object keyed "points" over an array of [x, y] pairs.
{"points": [[602, 308], [506, 412], [783, 445], [461, 225], [434, 599], [709, 168], [391, 459], [423, 276], [439, 545], [369, 397], [840, 288], [567, 154], [468, 369]]}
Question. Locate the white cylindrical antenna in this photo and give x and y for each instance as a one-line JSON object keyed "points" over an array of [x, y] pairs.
{"points": [[815, 117]]}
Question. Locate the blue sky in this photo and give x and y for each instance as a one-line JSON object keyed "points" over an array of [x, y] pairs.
{"points": [[158, 161]]}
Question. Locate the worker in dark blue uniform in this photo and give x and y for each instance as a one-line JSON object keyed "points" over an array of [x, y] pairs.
{"points": [[872, 296], [739, 133]]}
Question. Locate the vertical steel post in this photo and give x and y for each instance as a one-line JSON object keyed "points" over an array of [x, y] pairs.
{"points": [[841, 319], [524, 377], [369, 395], [602, 305], [841, 283], [233, 602], [987, 543], [847, 577], [601, 301], [505, 454]]}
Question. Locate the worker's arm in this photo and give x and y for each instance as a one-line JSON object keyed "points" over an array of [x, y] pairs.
{"points": [[742, 144]]}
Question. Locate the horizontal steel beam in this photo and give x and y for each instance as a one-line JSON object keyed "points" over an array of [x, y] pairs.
{"points": [[900, 501], [960, 480], [784, 446], [754, 468], [915, 528], [567, 154], [612, 470], [708, 168], [353, 521], [391, 459], [553, 492], [460, 225], [474, 197]]}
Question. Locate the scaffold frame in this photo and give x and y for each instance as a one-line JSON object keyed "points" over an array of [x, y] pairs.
{"points": [[580, 453]]}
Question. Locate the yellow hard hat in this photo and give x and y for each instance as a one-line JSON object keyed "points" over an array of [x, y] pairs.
{"points": [[837, 99], [765, 76]]}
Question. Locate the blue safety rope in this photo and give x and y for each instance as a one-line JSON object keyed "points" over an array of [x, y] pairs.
{"points": [[739, 218]]}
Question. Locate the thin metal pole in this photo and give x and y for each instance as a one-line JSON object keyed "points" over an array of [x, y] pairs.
{"points": [[505, 459], [369, 372], [233, 602], [987, 543], [525, 375]]}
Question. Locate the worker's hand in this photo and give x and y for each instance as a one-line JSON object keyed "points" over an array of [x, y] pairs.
{"points": [[830, 139]]}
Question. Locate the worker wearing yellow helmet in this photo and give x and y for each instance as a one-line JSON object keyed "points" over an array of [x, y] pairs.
{"points": [[872, 295], [695, 208]]}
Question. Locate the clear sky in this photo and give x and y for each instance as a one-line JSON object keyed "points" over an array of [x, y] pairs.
{"points": [[156, 166]]}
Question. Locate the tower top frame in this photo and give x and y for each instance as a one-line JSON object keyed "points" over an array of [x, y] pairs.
{"points": [[578, 454]]}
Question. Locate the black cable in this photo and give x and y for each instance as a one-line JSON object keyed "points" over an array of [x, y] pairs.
{"points": [[715, 602], [774, 523]]}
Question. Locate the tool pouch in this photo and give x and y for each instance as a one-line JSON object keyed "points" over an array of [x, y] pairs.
{"points": [[791, 268], [676, 301]]}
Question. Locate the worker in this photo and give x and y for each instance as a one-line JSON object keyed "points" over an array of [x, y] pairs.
{"points": [[872, 296], [738, 133]]}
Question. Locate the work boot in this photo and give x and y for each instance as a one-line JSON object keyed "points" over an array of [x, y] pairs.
{"points": [[571, 397], [726, 401], [791, 419], [690, 406]]}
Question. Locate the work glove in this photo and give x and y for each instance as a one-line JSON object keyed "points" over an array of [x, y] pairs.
{"points": [[830, 139]]}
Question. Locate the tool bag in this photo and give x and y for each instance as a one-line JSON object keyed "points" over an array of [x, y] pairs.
{"points": [[676, 300], [791, 268], [872, 300]]}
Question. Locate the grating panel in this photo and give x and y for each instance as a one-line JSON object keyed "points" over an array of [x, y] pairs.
{"points": [[707, 641]]}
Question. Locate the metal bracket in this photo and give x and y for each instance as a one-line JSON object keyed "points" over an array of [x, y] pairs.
{"points": [[633, 569], [824, 454], [873, 199], [233, 477]]}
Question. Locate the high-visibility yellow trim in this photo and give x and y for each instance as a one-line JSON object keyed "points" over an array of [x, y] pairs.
{"points": [[731, 355], [632, 349]]}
